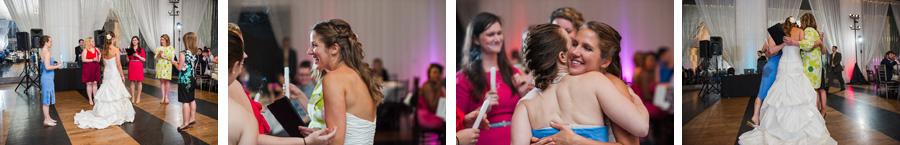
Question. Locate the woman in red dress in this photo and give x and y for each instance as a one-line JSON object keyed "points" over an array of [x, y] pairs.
{"points": [[90, 72]]}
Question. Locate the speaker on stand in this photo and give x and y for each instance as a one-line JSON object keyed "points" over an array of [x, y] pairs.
{"points": [[32, 71], [710, 50]]}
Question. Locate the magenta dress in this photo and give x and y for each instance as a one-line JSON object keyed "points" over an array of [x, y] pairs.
{"points": [[136, 66], [499, 116]]}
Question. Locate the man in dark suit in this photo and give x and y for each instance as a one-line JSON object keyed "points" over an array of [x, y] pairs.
{"points": [[78, 50], [836, 68], [889, 61], [761, 61]]}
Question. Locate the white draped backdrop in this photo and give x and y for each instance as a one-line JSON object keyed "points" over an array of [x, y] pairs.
{"points": [[738, 22], [406, 35], [66, 21]]}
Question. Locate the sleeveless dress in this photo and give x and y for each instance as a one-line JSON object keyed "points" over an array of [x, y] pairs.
{"points": [[597, 133], [112, 104], [90, 71], [812, 57], [186, 78], [500, 115], [316, 109], [789, 114], [136, 66], [164, 67], [48, 90], [359, 131], [768, 76]]}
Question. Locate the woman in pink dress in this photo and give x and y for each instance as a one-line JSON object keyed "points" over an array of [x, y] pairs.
{"points": [[484, 47], [136, 68]]}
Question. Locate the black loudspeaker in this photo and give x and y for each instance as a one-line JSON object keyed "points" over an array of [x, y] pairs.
{"points": [[22, 40], [98, 38], [715, 45], [36, 37], [704, 49]]}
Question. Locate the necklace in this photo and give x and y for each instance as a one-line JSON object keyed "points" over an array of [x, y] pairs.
{"points": [[558, 78]]}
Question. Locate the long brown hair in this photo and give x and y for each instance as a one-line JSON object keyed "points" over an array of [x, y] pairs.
{"points": [[43, 41], [472, 60], [609, 45], [235, 46], [107, 41], [808, 21], [337, 31], [542, 47], [137, 49], [190, 42], [787, 26]]}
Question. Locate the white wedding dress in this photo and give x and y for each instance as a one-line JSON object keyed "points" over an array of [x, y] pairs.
{"points": [[112, 104], [789, 115], [359, 131]]}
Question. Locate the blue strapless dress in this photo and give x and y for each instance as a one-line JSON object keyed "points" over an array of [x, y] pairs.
{"points": [[48, 89], [594, 133], [768, 76]]}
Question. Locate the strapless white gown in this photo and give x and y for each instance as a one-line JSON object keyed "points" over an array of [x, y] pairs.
{"points": [[789, 114], [359, 131], [112, 104]]}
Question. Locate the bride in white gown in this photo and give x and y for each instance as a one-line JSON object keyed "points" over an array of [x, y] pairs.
{"points": [[112, 106], [789, 114]]}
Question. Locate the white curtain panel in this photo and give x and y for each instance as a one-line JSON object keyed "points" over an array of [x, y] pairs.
{"points": [[873, 21], [828, 19], [192, 12], [61, 24], [234, 10], [778, 10], [127, 23], [280, 18], [93, 15], [4, 32], [25, 13], [691, 21], [750, 34], [147, 17], [205, 32], [719, 19]]}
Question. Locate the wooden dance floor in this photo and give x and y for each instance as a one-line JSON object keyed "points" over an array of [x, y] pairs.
{"points": [[154, 123], [854, 116]]}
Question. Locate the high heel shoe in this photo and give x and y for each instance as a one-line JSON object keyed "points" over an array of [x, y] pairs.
{"points": [[751, 124]]}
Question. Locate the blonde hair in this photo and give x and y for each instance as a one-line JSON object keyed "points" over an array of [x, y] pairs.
{"points": [[88, 40]]}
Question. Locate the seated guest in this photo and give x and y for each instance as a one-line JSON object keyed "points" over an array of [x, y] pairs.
{"points": [[204, 61], [430, 94], [889, 61], [379, 70], [306, 85], [761, 61]]}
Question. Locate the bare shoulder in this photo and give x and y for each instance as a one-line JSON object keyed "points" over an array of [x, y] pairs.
{"points": [[336, 76], [590, 78], [530, 98]]}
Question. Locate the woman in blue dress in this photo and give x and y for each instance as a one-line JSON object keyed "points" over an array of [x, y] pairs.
{"points": [[48, 93], [772, 49]]}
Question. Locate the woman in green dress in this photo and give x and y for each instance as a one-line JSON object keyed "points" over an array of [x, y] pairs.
{"points": [[811, 45]]}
